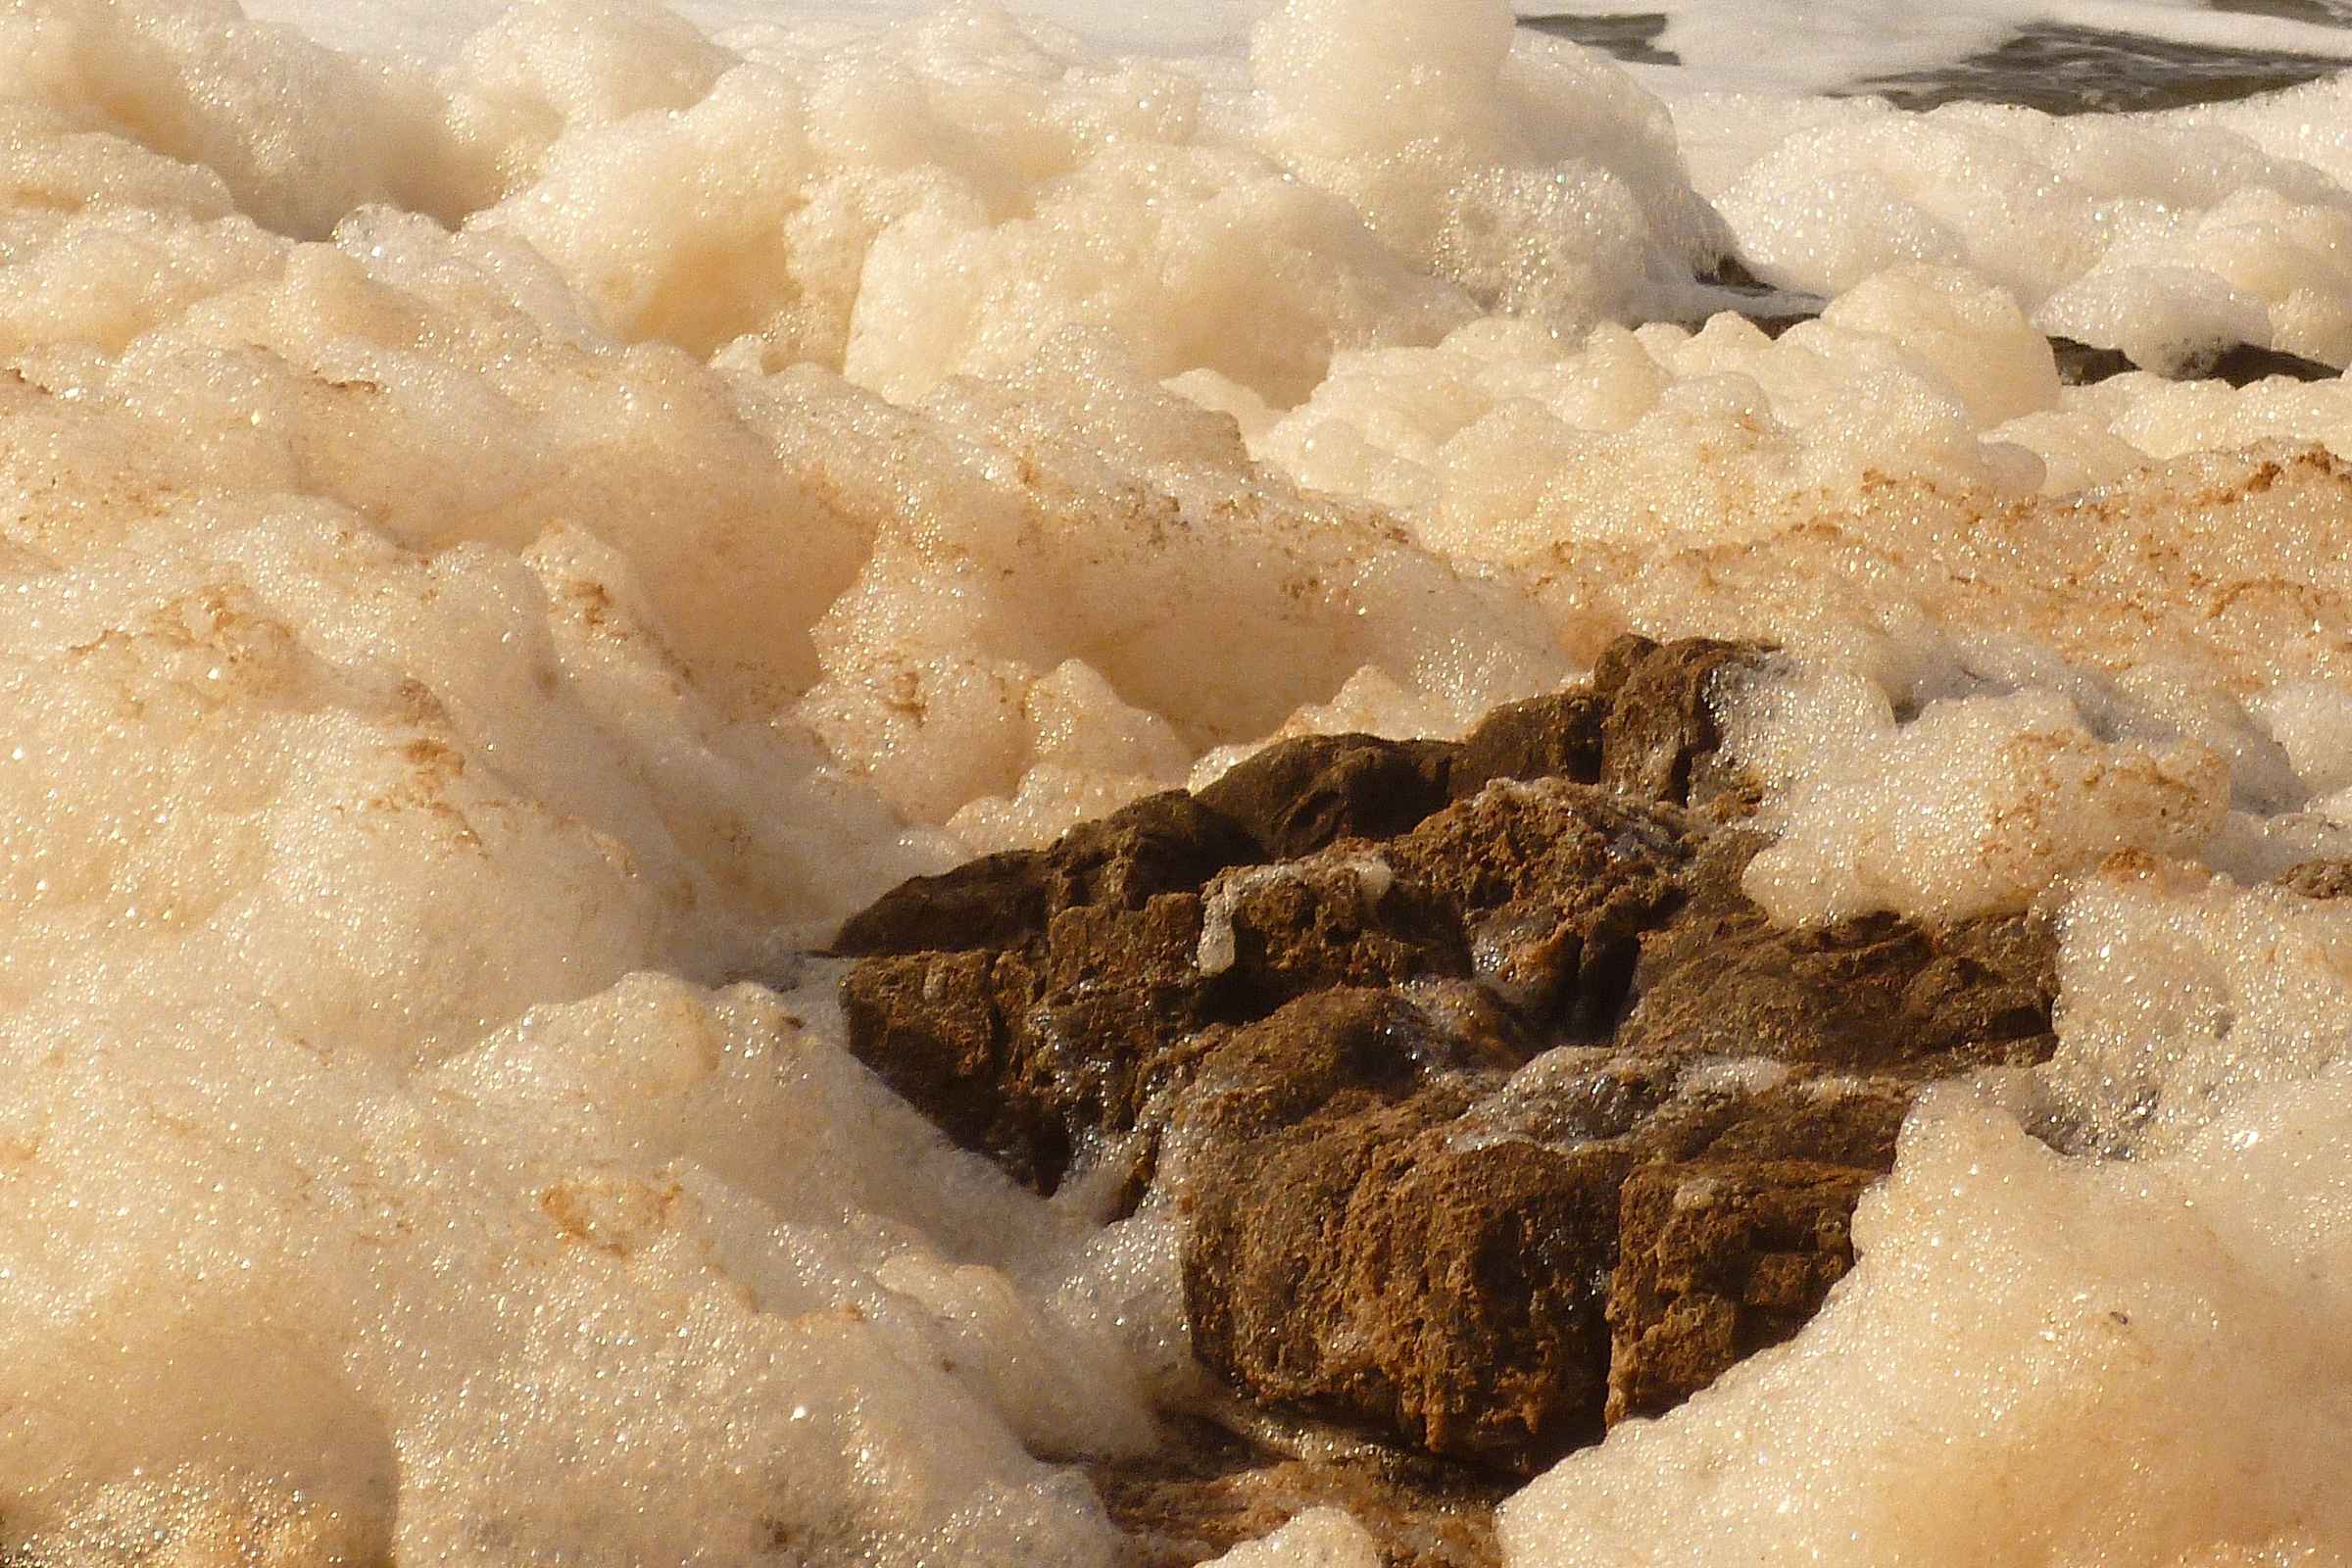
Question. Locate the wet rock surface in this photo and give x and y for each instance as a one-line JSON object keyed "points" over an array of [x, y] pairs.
{"points": [[1494, 1110], [1716, 1260], [1298, 797], [1208, 1490], [1031, 1003]]}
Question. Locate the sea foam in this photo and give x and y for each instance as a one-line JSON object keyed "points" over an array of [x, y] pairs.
{"points": [[497, 550]]}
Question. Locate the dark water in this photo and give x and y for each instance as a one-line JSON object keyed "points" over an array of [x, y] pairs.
{"points": [[2060, 70], [1627, 38], [2318, 13], [2070, 71]]}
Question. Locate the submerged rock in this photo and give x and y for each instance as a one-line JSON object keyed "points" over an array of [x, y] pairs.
{"points": [[2083, 363], [2244, 364], [1494, 1108]]}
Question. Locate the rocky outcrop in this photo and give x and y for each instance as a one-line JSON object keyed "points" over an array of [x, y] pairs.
{"points": [[1367, 1265], [1031, 1002], [1474, 1259], [1295, 798], [1876, 994], [1496, 1110], [1162, 844]]}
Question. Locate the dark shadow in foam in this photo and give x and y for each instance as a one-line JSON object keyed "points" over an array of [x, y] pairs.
{"points": [[2072, 70]]}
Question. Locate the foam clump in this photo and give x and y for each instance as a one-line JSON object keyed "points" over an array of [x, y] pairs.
{"points": [[1501, 446], [2042, 206], [1976, 806], [1534, 176], [1014, 563], [2110, 1310], [2161, 317], [2186, 995], [1980, 775], [1946, 245], [420, 1315]]}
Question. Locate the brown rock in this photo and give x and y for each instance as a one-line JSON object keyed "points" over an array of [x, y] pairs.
{"points": [[1167, 843], [1642, 727], [1826, 1118], [1337, 1053], [1659, 740], [1403, 1262], [982, 903], [1298, 795], [934, 1027], [1545, 737], [1028, 1054], [1553, 885], [1474, 1318], [1424, 1247], [1715, 1262], [1208, 1490], [1417, 1035], [1026, 1001], [1345, 1261], [1876, 994], [1342, 917], [2318, 879]]}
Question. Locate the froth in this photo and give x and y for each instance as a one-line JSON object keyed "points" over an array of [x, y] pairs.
{"points": [[492, 552]]}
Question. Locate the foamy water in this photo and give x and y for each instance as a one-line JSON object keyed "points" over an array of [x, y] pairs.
{"points": [[1821, 45], [504, 538]]}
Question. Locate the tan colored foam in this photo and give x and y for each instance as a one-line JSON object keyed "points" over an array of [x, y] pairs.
{"points": [[492, 552]]}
